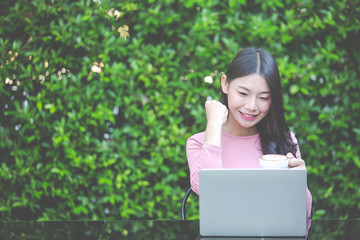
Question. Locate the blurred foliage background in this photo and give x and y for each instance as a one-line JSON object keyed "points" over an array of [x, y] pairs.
{"points": [[98, 97]]}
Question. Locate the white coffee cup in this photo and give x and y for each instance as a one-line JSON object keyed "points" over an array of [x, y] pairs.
{"points": [[273, 161]]}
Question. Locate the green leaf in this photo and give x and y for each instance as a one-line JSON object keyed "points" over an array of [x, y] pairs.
{"points": [[294, 89]]}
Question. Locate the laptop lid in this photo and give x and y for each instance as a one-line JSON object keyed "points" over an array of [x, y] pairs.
{"points": [[252, 202]]}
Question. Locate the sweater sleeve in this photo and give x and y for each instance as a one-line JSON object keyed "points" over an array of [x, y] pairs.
{"points": [[201, 155], [308, 194]]}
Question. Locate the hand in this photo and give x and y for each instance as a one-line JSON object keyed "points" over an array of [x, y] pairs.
{"points": [[295, 163], [216, 112], [216, 115]]}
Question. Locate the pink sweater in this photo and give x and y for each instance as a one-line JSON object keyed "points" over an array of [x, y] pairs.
{"points": [[236, 152]]}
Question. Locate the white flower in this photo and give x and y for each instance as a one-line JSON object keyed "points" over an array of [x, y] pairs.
{"points": [[208, 79]]}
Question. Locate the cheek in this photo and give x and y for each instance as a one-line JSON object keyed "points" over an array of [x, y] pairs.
{"points": [[233, 99], [265, 107]]}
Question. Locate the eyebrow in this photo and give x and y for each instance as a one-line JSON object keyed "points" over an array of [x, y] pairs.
{"points": [[246, 89]]}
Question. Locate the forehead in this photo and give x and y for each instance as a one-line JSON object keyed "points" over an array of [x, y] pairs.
{"points": [[253, 82]]}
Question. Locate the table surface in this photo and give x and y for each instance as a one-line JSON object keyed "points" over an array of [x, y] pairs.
{"points": [[150, 229]]}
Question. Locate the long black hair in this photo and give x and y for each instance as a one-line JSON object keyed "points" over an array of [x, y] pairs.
{"points": [[274, 133]]}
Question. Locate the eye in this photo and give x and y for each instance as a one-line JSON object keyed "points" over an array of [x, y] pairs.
{"points": [[264, 98], [242, 94]]}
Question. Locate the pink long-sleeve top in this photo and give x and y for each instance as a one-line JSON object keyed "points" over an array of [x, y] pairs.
{"points": [[235, 152]]}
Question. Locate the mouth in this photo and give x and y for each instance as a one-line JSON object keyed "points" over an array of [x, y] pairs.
{"points": [[247, 116]]}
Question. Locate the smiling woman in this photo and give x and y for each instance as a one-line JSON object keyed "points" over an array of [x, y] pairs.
{"points": [[247, 123]]}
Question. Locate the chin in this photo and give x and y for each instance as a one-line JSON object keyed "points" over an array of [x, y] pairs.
{"points": [[247, 126]]}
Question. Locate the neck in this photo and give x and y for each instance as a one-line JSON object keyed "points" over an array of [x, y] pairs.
{"points": [[233, 128]]}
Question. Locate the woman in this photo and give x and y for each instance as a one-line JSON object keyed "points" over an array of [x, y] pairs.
{"points": [[247, 123]]}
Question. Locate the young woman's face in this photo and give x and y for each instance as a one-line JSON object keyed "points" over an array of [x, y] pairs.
{"points": [[249, 101]]}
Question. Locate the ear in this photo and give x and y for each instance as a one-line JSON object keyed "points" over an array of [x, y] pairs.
{"points": [[224, 84]]}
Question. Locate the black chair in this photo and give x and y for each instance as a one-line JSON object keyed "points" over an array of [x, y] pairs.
{"points": [[183, 204]]}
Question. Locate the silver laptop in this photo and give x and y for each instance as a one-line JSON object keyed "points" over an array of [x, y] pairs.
{"points": [[252, 202]]}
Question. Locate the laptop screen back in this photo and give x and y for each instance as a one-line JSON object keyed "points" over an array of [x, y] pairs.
{"points": [[252, 202]]}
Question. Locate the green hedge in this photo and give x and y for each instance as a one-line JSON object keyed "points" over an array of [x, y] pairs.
{"points": [[98, 99]]}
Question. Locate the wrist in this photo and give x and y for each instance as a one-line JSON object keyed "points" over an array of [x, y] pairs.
{"points": [[213, 133], [215, 125]]}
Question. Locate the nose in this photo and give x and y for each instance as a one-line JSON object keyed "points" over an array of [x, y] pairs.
{"points": [[251, 105]]}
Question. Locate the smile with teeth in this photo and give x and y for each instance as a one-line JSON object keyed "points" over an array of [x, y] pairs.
{"points": [[248, 116]]}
